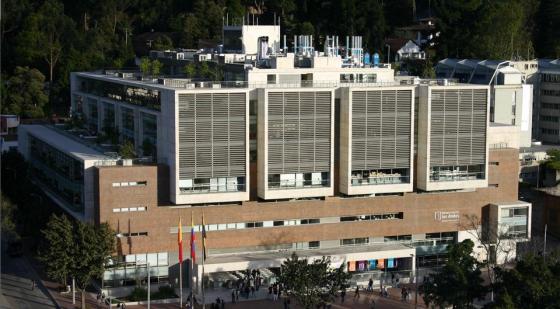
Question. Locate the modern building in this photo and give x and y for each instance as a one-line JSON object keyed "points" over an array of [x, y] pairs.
{"points": [[311, 152], [511, 96]]}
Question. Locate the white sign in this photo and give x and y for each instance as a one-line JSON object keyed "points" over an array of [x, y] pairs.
{"points": [[446, 216]]}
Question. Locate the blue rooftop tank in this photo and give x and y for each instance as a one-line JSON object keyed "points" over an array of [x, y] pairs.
{"points": [[376, 59], [367, 58]]}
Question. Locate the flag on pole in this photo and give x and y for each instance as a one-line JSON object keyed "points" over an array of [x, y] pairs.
{"points": [[193, 248], [180, 242], [203, 238]]}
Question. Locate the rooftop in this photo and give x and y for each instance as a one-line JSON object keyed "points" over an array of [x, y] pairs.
{"points": [[64, 143]]}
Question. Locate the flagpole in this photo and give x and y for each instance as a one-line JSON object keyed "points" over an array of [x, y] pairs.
{"points": [[181, 266]]}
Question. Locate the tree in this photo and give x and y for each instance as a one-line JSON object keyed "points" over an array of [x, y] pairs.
{"points": [[190, 70], [45, 34], [163, 42], [155, 67], [312, 283], [145, 66], [57, 252], [497, 246], [127, 150], [548, 29], [25, 95], [553, 161], [458, 283], [533, 283], [93, 246], [8, 223]]}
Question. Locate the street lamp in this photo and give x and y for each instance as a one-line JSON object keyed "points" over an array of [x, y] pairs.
{"points": [[415, 280]]}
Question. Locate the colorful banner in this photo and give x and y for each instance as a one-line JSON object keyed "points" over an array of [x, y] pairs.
{"points": [[390, 263], [351, 266], [362, 265], [372, 264]]}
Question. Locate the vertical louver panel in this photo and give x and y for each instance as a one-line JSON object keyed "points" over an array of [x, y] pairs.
{"points": [[381, 129], [212, 133], [299, 132], [458, 127]]}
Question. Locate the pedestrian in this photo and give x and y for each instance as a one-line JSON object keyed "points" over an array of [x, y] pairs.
{"points": [[222, 304], [123, 306], [392, 278], [32, 285], [370, 285], [233, 296], [275, 293], [252, 291], [357, 293], [285, 303], [98, 296], [342, 295], [403, 293]]}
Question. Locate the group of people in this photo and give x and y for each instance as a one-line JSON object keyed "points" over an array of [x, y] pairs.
{"points": [[274, 291], [219, 304], [247, 286]]}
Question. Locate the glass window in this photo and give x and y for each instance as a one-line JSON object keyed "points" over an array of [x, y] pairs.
{"points": [[162, 258]]}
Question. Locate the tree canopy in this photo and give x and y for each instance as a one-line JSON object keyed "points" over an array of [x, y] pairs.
{"points": [[458, 283], [76, 249], [532, 283], [312, 283], [57, 37]]}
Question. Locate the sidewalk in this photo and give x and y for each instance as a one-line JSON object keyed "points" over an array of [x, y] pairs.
{"points": [[363, 302]]}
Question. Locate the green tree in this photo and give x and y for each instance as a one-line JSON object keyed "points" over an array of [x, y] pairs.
{"points": [[553, 161], [458, 283], [548, 29], [93, 246], [127, 150], [312, 283], [25, 95], [57, 254], [155, 67], [306, 28], [145, 66], [163, 42], [45, 34], [533, 283], [8, 210], [190, 70]]}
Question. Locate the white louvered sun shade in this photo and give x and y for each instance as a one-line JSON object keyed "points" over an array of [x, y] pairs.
{"points": [[299, 132], [381, 129], [212, 135], [458, 127]]}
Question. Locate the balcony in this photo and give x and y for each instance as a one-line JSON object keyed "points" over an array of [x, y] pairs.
{"points": [[380, 177]]}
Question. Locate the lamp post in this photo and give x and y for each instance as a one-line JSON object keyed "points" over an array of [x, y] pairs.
{"points": [[415, 269], [149, 283]]}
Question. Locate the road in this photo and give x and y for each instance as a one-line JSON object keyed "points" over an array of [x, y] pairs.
{"points": [[16, 286]]}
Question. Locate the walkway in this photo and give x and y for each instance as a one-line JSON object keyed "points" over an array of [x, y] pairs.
{"points": [[16, 285]]}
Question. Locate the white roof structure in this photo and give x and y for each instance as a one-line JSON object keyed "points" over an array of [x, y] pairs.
{"points": [[64, 143]]}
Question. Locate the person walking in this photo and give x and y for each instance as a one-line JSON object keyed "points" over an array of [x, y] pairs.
{"points": [[342, 295], [233, 296], [357, 293], [370, 285], [32, 285]]}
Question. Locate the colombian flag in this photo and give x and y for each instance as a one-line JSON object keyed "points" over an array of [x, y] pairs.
{"points": [[193, 248], [180, 242]]}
